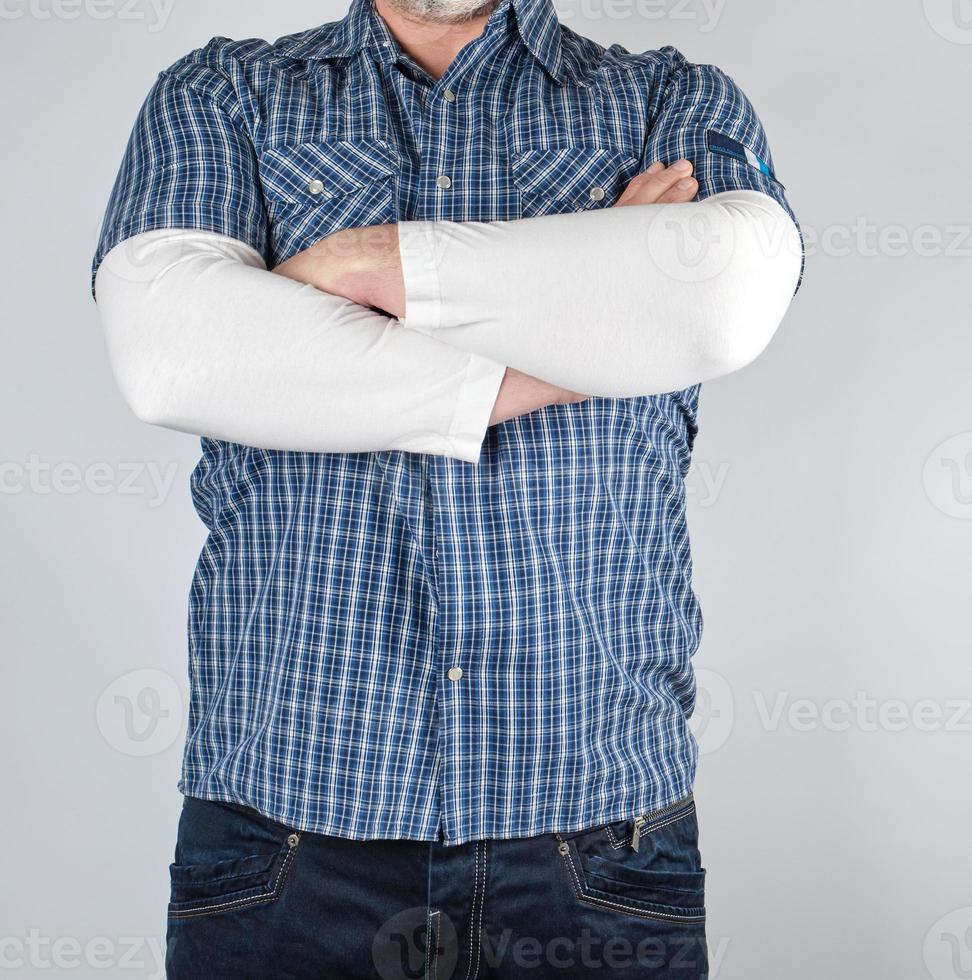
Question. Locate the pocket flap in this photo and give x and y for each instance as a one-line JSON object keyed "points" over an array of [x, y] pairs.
{"points": [[230, 870], [317, 172], [678, 887], [586, 174]]}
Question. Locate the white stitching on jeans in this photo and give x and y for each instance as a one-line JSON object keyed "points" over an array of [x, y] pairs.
{"points": [[615, 843], [253, 900], [472, 917], [625, 841], [658, 826], [472, 913], [434, 946], [475, 945], [592, 900]]}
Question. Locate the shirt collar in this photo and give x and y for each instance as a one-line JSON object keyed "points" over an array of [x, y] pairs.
{"points": [[539, 28], [536, 21]]}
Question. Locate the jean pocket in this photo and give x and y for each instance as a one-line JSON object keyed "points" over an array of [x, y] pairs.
{"points": [[672, 896], [228, 859], [649, 866]]}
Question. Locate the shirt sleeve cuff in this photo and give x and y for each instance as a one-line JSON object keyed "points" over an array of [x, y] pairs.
{"points": [[417, 244], [474, 406]]}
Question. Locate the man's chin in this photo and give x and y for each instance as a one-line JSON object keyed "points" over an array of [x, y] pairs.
{"points": [[442, 11]]}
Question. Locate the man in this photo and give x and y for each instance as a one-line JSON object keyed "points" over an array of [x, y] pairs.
{"points": [[437, 285]]}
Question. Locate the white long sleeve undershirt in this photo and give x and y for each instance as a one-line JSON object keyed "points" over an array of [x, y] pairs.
{"points": [[203, 339], [614, 303], [620, 302]]}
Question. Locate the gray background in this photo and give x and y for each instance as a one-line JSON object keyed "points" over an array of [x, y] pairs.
{"points": [[831, 502]]}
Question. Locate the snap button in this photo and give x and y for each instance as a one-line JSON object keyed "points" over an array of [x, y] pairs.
{"points": [[444, 182], [316, 187], [597, 193], [449, 95], [455, 673]]}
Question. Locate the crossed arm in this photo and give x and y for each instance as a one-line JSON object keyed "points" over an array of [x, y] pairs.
{"points": [[417, 336]]}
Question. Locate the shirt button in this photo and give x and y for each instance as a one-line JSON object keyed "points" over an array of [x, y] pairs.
{"points": [[455, 673], [449, 95], [444, 182], [316, 187], [597, 193]]}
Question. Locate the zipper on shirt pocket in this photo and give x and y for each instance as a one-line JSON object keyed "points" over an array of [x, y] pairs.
{"points": [[648, 821]]}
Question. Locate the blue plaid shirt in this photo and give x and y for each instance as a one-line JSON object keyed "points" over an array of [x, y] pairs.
{"points": [[336, 591]]}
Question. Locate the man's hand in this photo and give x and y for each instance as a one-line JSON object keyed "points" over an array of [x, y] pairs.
{"points": [[661, 185], [520, 394]]}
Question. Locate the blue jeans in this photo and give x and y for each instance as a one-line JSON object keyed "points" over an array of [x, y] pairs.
{"points": [[253, 898]]}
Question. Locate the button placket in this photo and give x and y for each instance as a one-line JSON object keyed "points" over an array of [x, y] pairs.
{"points": [[444, 181]]}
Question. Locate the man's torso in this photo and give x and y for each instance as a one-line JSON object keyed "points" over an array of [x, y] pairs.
{"points": [[336, 592]]}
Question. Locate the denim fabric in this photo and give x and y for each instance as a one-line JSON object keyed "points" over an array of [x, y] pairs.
{"points": [[255, 898]]}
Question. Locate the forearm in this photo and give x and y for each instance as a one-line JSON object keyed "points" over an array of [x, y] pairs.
{"points": [[204, 340], [610, 302]]}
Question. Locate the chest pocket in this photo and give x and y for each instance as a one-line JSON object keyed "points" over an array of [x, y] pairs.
{"points": [[555, 180], [312, 190]]}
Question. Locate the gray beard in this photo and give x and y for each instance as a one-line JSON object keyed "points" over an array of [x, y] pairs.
{"points": [[443, 11]]}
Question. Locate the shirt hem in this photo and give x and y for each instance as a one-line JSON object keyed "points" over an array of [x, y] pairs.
{"points": [[636, 807]]}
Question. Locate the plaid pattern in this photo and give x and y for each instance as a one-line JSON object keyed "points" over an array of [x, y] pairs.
{"points": [[335, 591]]}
